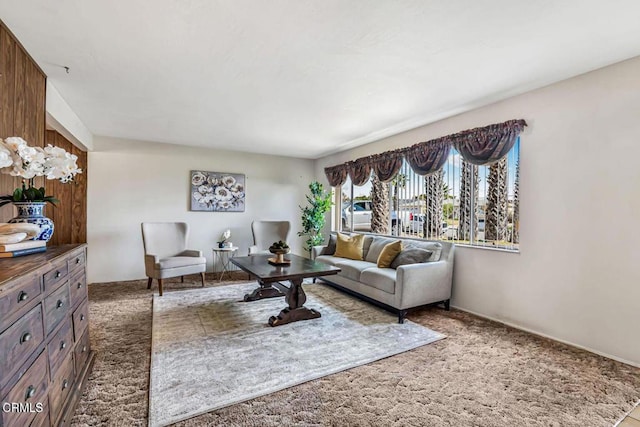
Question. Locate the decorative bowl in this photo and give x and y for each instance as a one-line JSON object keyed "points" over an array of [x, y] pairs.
{"points": [[279, 253]]}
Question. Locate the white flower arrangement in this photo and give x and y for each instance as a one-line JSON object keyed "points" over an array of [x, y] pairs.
{"points": [[217, 192], [17, 158]]}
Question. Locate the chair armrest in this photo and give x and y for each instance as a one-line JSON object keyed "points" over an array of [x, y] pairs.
{"points": [[150, 262], [253, 249], [424, 283], [191, 253], [317, 250]]}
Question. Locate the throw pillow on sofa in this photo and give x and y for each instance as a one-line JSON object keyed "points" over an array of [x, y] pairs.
{"points": [[330, 249], [349, 246], [389, 253], [411, 256]]}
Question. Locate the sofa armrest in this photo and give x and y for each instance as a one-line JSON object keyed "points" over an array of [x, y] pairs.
{"points": [[423, 283], [316, 251], [191, 252]]}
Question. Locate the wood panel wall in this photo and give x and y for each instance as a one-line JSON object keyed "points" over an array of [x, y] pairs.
{"points": [[70, 215], [23, 113]]}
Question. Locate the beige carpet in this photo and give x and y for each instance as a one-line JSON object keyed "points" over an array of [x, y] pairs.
{"points": [[483, 374]]}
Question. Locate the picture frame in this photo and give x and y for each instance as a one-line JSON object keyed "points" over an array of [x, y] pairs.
{"points": [[217, 191]]}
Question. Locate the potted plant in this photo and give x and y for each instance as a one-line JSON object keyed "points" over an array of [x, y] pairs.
{"points": [[313, 216]]}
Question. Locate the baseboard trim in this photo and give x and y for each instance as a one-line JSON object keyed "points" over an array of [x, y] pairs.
{"points": [[540, 334]]}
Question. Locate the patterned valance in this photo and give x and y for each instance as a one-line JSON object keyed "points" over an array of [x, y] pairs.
{"points": [[479, 146], [336, 175], [387, 165], [360, 171], [487, 145], [428, 158]]}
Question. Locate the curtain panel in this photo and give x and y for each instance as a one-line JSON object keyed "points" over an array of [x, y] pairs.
{"points": [[479, 146]]}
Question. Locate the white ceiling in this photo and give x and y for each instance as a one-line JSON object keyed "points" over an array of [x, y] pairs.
{"points": [[306, 78]]}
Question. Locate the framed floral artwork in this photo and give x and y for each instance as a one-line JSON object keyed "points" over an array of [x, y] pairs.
{"points": [[217, 191]]}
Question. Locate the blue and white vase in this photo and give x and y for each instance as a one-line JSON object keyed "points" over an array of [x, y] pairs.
{"points": [[31, 213]]}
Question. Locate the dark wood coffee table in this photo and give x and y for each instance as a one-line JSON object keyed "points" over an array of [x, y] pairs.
{"points": [[270, 276]]}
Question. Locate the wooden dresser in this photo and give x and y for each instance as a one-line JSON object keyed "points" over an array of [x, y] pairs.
{"points": [[45, 355]]}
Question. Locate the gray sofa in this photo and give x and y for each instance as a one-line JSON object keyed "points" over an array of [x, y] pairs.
{"points": [[399, 289]]}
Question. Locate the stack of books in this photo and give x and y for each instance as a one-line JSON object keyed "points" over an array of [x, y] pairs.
{"points": [[27, 247]]}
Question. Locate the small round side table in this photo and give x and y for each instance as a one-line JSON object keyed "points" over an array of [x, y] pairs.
{"points": [[224, 255]]}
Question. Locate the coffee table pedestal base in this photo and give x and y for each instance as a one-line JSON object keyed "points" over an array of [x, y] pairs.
{"points": [[289, 315], [264, 291]]}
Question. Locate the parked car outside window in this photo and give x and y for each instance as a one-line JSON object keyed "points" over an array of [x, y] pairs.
{"points": [[362, 216]]}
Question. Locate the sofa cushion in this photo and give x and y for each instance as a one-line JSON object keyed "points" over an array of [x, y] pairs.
{"points": [[180, 261], [349, 246], [411, 256], [377, 244], [351, 269], [380, 278], [329, 259], [389, 253], [434, 247]]}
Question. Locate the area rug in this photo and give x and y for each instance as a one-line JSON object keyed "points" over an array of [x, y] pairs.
{"points": [[210, 349]]}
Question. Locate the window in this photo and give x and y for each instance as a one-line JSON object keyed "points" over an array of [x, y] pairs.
{"points": [[462, 203]]}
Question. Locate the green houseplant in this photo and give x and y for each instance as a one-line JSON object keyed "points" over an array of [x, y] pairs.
{"points": [[313, 219]]}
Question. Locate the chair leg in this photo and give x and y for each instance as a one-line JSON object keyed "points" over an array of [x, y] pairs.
{"points": [[202, 277], [160, 286], [181, 279], [149, 283], [401, 315]]}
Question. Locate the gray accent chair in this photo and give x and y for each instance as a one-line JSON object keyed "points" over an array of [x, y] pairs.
{"points": [[166, 254], [407, 286], [267, 232]]}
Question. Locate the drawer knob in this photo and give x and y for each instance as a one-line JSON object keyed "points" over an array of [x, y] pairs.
{"points": [[31, 391], [82, 317], [25, 337], [59, 304], [63, 345], [84, 348], [23, 296], [79, 285], [58, 274], [77, 260], [65, 384]]}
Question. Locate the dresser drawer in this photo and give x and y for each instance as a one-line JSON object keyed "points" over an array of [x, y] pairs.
{"points": [[78, 287], [60, 346], [80, 319], [82, 350], [30, 391], [16, 296], [76, 262], [42, 418], [19, 341], [60, 386], [56, 307], [53, 277]]}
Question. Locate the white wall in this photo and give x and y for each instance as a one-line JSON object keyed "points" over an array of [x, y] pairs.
{"points": [[577, 277], [132, 181], [65, 121]]}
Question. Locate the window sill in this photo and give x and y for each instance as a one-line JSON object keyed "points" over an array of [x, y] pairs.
{"points": [[489, 248]]}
